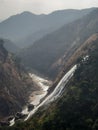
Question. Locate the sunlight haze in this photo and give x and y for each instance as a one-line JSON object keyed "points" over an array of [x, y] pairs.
{"points": [[12, 7]]}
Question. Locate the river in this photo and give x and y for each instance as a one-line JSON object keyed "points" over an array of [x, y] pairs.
{"points": [[56, 92], [36, 96], [51, 97]]}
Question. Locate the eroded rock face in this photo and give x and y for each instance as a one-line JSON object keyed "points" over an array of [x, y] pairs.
{"points": [[14, 84]]}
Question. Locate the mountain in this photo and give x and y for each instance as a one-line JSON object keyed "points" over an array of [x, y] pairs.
{"points": [[77, 107], [54, 55], [10, 46], [18, 26], [45, 54], [25, 28], [15, 84]]}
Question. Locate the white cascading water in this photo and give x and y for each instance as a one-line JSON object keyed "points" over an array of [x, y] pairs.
{"points": [[57, 91], [53, 96]]}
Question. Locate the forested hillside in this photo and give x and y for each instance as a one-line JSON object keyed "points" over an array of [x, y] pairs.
{"points": [[77, 108]]}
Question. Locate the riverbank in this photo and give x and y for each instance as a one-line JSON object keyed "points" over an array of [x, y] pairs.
{"points": [[35, 97]]}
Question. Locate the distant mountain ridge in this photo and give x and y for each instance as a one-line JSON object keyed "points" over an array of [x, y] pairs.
{"points": [[25, 28]]}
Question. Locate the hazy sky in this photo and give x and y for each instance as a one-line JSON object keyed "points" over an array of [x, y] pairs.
{"points": [[11, 7]]}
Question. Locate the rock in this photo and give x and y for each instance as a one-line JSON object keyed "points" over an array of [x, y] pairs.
{"points": [[10, 118], [30, 107], [19, 116]]}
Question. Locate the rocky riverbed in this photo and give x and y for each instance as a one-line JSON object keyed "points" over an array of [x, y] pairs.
{"points": [[34, 98]]}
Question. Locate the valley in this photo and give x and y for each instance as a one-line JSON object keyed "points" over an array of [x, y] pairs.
{"points": [[74, 92], [49, 71]]}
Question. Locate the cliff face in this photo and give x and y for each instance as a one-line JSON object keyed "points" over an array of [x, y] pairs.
{"points": [[14, 84]]}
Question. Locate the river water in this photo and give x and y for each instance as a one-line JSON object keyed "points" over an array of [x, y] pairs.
{"points": [[36, 96], [56, 92], [44, 84]]}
